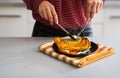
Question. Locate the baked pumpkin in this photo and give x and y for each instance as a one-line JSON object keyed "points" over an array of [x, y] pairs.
{"points": [[72, 47]]}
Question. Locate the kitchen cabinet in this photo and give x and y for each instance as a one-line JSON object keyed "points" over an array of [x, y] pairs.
{"points": [[107, 22], [30, 22], [98, 24], [15, 21], [112, 22]]}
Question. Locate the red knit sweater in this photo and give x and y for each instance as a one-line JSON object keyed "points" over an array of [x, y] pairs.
{"points": [[71, 13]]}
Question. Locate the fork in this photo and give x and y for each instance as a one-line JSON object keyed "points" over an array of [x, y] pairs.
{"points": [[79, 33]]}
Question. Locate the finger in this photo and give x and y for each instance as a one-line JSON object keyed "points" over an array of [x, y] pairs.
{"points": [[101, 4], [54, 14], [97, 7], [50, 16], [88, 10], [41, 12], [93, 10], [45, 15]]}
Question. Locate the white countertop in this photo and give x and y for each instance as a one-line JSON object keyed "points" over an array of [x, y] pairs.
{"points": [[20, 58]]}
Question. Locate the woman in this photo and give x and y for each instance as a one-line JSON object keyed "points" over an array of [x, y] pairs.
{"points": [[71, 14]]}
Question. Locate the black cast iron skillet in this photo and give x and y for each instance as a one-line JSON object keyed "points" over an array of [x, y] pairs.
{"points": [[93, 48]]}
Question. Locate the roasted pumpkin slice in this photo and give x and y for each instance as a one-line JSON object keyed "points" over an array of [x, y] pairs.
{"points": [[72, 46]]}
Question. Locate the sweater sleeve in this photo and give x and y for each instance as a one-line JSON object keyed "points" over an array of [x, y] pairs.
{"points": [[33, 4]]}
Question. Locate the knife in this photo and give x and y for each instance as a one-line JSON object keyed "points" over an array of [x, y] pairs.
{"points": [[69, 34]]}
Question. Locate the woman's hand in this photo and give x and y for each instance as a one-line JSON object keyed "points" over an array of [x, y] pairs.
{"points": [[93, 6], [47, 11]]}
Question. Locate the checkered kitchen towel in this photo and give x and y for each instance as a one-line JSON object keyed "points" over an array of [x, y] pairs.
{"points": [[101, 52]]}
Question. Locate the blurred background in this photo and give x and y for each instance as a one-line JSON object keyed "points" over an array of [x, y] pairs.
{"points": [[17, 21]]}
